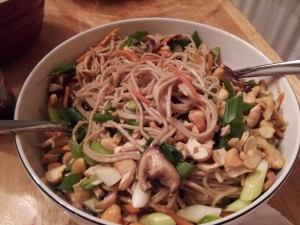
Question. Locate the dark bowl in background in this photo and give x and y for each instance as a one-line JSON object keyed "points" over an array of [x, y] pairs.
{"points": [[20, 24]]}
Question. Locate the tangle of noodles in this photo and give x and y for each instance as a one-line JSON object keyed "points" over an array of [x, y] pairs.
{"points": [[164, 88]]}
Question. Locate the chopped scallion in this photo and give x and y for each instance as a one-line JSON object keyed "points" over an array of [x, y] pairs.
{"points": [[97, 147], [101, 118], [254, 182], [185, 169], [76, 149], [90, 183], [237, 205]]}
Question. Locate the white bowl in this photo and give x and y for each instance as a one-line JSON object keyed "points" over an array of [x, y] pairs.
{"points": [[235, 53]]}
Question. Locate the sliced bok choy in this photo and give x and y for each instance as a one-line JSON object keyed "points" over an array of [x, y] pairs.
{"points": [[90, 183], [157, 218], [139, 197], [109, 175], [195, 212], [208, 218], [90, 204]]}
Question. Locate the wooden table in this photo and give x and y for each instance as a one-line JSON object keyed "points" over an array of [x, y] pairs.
{"points": [[20, 200]]}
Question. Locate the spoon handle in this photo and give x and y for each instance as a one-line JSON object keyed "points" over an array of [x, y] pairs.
{"points": [[8, 126], [272, 69]]}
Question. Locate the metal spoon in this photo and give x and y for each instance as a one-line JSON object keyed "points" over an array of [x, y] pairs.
{"points": [[271, 69], [12, 126]]}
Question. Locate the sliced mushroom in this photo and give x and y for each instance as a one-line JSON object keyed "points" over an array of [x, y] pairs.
{"points": [[152, 165]]}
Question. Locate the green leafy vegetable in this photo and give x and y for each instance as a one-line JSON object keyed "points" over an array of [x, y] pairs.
{"points": [[247, 106], [251, 83], [233, 115], [76, 149], [75, 114], [81, 133], [148, 143], [177, 45], [233, 109], [184, 169], [134, 39], [196, 38], [68, 182], [101, 118], [229, 88], [173, 155], [64, 70]]}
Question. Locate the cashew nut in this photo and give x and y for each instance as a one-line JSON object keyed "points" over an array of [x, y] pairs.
{"points": [[254, 116], [198, 118], [273, 156], [127, 169]]}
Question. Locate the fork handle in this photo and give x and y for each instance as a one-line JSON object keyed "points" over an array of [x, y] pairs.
{"points": [[8, 126], [271, 69]]}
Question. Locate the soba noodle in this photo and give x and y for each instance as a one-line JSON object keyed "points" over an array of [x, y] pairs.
{"points": [[164, 86]]}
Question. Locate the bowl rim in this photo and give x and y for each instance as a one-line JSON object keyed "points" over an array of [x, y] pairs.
{"points": [[71, 209]]}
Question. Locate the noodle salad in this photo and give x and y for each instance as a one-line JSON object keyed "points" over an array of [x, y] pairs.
{"points": [[161, 133]]}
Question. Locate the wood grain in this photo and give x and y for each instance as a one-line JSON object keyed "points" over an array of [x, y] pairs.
{"points": [[20, 200]]}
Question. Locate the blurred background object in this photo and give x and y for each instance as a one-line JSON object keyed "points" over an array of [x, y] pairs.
{"points": [[278, 21], [20, 24], [7, 100]]}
